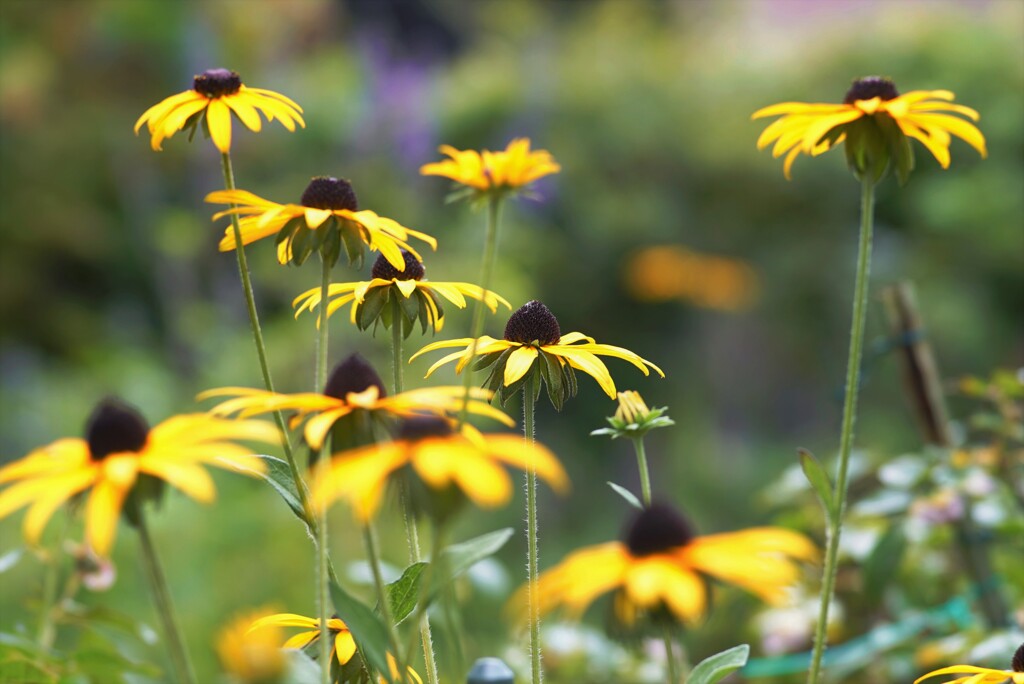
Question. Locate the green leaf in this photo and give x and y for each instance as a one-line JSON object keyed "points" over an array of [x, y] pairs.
{"points": [[404, 592], [718, 666], [279, 476], [458, 558], [880, 567], [373, 304], [369, 632], [818, 478], [629, 496], [551, 371]]}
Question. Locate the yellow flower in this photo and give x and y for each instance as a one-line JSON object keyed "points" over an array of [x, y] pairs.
{"points": [[481, 172], [118, 448], [866, 121], [251, 657], [663, 564], [633, 418], [218, 93], [440, 458], [417, 298], [344, 646], [983, 675], [352, 386], [531, 334], [326, 220]]}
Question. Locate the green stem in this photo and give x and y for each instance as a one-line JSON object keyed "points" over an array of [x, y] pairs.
{"points": [[645, 476], [161, 595], [261, 349], [486, 271], [322, 465], [430, 578], [47, 630], [531, 536], [835, 521], [670, 656], [411, 533], [370, 537]]}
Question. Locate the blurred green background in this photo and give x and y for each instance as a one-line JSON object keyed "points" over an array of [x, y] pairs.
{"points": [[111, 283]]}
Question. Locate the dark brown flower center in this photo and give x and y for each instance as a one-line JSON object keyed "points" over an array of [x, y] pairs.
{"points": [[422, 427], [1017, 664], [217, 82], [353, 374], [656, 529], [869, 87], [533, 321], [114, 427], [383, 269], [324, 192]]}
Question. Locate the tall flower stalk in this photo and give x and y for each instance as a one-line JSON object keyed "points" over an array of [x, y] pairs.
{"points": [[323, 578], [875, 125], [532, 551], [180, 660], [835, 521]]}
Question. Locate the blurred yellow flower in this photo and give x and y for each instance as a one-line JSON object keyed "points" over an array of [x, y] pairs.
{"points": [[533, 333], [344, 646], [418, 298], [440, 457], [663, 562], [510, 169], [352, 386], [875, 103], [983, 675], [119, 447], [248, 656], [671, 272], [327, 217], [218, 93]]}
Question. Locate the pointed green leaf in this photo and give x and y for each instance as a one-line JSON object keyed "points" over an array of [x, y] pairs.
{"points": [[629, 496], [279, 476], [367, 629], [404, 592], [458, 558], [718, 666], [818, 478]]}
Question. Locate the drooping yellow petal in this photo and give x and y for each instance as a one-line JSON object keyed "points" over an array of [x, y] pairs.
{"points": [[591, 365], [247, 114], [61, 455], [285, 620], [524, 455], [519, 362], [344, 646], [218, 118], [189, 478], [958, 127], [101, 514], [154, 114], [300, 640]]}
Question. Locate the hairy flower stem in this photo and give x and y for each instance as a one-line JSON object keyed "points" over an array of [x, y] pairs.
{"points": [[531, 536], [835, 519], [162, 597], [645, 476], [411, 533], [261, 349], [486, 271], [670, 657], [370, 538], [47, 630], [322, 465]]}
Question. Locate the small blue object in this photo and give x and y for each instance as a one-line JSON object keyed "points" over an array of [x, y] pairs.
{"points": [[490, 671]]}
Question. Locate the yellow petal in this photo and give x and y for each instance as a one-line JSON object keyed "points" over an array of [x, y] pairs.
{"points": [[591, 365], [519, 362], [101, 514], [247, 114], [284, 620], [218, 118], [189, 478], [344, 646]]}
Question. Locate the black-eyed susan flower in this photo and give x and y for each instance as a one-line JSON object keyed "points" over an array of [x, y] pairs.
{"points": [[876, 123], [533, 346], [252, 656], [418, 299], [118, 450], [326, 219], [483, 173], [353, 386], [664, 564], [970, 674], [633, 418], [440, 457], [343, 649], [216, 94]]}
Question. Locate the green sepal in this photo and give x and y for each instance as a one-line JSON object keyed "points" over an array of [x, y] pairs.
{"points": [[330, 243], [411, 307], [486, 360], [146, 488], [495, 381], [351, 237], [373, 305], [425, 317], [551, 372]]}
